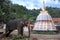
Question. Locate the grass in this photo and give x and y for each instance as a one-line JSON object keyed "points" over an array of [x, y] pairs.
{"points": [[44, 32], [19, 37]]}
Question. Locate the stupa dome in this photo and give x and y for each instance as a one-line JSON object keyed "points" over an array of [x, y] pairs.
{"points": [[43, 16], [44, 22]]}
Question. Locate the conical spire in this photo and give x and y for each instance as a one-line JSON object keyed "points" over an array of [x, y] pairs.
{"points": [[43, 7]]}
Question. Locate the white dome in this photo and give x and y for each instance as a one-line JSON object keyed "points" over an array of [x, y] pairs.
{"points": [[43, 25], [44, 16]]}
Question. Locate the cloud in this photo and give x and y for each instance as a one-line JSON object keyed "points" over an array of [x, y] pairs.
{"points": [[31, 4]]}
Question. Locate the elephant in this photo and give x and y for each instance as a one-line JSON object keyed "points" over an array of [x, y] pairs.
{"points": [[16, 24]]}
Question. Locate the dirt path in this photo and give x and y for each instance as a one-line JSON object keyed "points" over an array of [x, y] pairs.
{"points": [[35, 36], [45, 37]]}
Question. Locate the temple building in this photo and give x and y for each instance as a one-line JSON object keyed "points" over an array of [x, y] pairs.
{"points": [[44, 21]]}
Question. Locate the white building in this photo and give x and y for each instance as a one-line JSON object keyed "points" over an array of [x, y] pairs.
{"points": [[44, 21]]}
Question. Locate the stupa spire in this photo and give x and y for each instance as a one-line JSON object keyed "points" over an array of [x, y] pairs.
{"points": [[43, 6], [44, 21]]}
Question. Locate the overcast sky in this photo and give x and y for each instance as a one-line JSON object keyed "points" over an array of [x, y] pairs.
{"points": [[31, 4]]}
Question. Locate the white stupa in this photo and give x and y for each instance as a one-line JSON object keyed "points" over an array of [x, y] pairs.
{"points": [[44, 21]]}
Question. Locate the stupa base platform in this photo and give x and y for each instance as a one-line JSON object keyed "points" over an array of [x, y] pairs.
{"points": [[45, 32]]}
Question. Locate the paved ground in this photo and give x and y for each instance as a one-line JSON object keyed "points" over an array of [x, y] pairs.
{"points": [[36, 36], [45, 37]]}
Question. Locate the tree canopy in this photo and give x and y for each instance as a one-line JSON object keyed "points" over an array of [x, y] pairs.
{"points": [[8, 11]]}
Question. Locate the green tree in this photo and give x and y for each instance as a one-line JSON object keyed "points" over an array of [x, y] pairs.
{"points": [[4, 9]]}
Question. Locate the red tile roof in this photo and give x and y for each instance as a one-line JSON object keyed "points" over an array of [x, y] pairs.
{"points": [[56, 19]]}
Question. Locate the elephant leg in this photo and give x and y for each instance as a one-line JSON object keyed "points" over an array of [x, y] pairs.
{"points": [[29, 31], [8, 32], [20, 31]]}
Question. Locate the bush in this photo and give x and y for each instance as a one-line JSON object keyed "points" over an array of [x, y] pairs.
{"points": [[18, 37]]}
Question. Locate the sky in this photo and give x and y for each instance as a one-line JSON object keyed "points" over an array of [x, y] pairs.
{"points": [[36, 4]]}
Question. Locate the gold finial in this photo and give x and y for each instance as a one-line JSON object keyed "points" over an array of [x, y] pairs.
{"points": [[43, 8]]}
